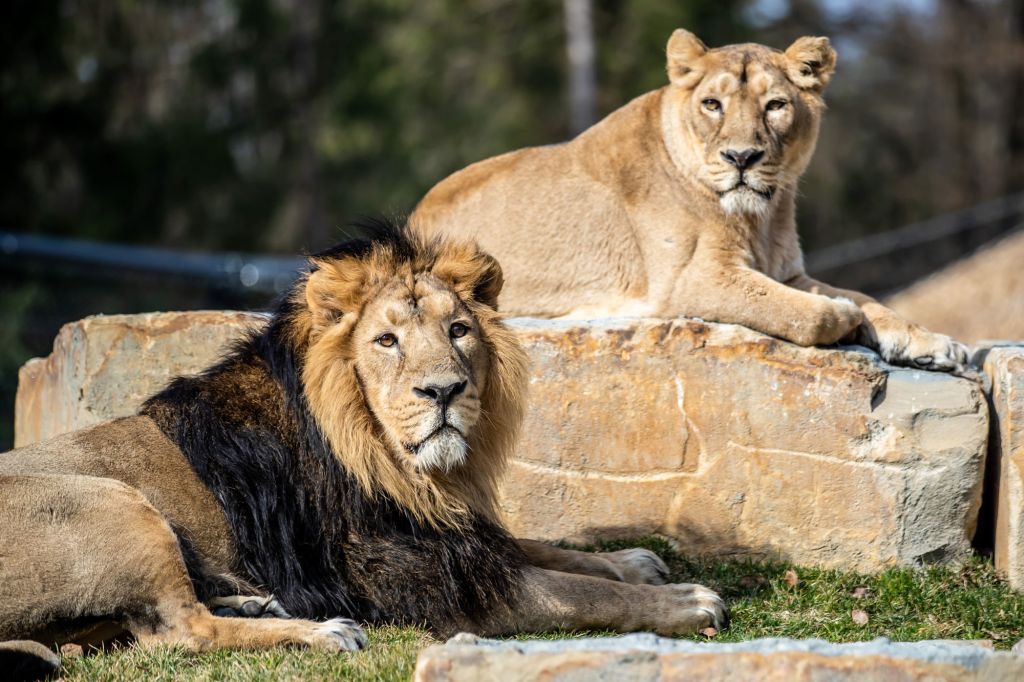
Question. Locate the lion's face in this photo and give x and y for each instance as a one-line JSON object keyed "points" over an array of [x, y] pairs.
{"points": [[422, 364], [409, 370], [749, 115]]}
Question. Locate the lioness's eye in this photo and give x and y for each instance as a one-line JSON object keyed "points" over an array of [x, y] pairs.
{"points": [[387, 340], [458, 330], [775, 104], [712, 104]]}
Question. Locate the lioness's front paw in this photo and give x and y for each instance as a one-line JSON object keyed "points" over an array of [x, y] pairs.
{"points": [[922, 349], [831, 320], [639, 566], [694, 607]]}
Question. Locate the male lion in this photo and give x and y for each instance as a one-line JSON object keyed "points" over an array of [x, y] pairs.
{"points": [[679, 203], [340, 462]]}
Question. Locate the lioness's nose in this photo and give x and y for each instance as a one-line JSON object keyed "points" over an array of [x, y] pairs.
{"points": [[743, 159], [442, 395]]}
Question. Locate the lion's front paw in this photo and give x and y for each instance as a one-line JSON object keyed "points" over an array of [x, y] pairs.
{"points": [[639, 566], [337, 634], [694, 607], [923, 349], [244, 606]]}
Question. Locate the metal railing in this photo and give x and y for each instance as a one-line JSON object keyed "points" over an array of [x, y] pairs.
{"points": [[884, 262]]}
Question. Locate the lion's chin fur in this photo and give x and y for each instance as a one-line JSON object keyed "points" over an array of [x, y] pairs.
{"points": [[444, 451]]}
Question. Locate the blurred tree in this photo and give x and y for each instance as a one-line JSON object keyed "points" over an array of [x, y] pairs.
{"points": [[265, 124]]}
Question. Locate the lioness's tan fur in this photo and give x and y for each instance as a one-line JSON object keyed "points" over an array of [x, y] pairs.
{"points": [[643, 214]]}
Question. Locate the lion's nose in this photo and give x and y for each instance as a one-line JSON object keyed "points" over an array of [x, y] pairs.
{"points": [[442, 395], [744, 159]]}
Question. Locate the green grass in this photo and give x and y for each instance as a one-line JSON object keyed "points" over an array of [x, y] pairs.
{"points": [[966, 602]]}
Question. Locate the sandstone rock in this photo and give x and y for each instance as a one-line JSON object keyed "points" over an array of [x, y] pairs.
{"points": [[735, 443], [1004, 365], [645, 657], [726, 440], [105, 366]]}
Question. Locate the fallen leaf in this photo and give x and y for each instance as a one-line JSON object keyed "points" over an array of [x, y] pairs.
{"points": [[791, 577], [859, 617], [70, 650], [709, 632], [997, 636], [752, 581], [859, 592]]}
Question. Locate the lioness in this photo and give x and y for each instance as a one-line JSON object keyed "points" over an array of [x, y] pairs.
{"points": [[679, 203], [341, 462]]}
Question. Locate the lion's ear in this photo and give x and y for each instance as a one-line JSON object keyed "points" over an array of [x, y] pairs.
{"points": [[333, 289], [683, 57], [810, 62], [471, 273]]}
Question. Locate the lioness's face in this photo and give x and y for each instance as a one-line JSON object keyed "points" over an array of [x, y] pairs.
{"points": [[750, 113], [420, 361]]}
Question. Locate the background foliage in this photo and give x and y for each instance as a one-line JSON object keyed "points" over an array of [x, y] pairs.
{"points": [[265, 124]]}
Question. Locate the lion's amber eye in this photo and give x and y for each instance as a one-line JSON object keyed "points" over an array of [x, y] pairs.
{"points": [[775, 104], [458, 330], [387, 340], [712, 104]]}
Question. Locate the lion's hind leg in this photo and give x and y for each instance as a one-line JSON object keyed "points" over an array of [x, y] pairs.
{"points": [[94, 549]]}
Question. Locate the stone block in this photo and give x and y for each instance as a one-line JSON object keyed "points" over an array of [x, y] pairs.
{"points": [[728, 441], [735, 443], [1004, 366], [104, 366], [646, 657]]}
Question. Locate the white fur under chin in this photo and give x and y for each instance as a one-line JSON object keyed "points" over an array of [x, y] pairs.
{"points": [[745, 202], [443, 451]]}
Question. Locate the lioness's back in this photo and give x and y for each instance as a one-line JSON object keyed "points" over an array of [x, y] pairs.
{"points": [[553, 215]]}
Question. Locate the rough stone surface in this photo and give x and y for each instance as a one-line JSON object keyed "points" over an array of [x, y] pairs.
{"points": [[726, 440], [735, 443], [105, 366], [1004, 365], [646, 657]]}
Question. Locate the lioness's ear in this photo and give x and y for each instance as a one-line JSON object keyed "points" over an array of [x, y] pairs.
{"points": [[333, 289], [471, 273], [683, 58], [810, 63]]}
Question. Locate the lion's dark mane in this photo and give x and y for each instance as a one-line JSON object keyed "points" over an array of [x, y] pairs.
{"points": [[303, 527]]}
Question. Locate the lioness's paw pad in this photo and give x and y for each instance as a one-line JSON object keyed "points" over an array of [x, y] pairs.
{"points": [[339, 634], [640, 566]]}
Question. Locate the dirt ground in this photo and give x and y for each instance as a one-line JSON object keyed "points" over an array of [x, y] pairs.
{"points": [[978, 298]]}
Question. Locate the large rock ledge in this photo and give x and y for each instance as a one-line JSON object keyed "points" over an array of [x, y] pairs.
{"points": [[721, 438], [1004, 364], [646, 657]]}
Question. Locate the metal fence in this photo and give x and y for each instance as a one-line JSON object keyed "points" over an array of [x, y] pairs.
{"points": [[875, 264]]}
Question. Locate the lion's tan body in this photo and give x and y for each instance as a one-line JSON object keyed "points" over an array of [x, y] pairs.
{"points": [[652, 211], [99, 529], [87, 518]]}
